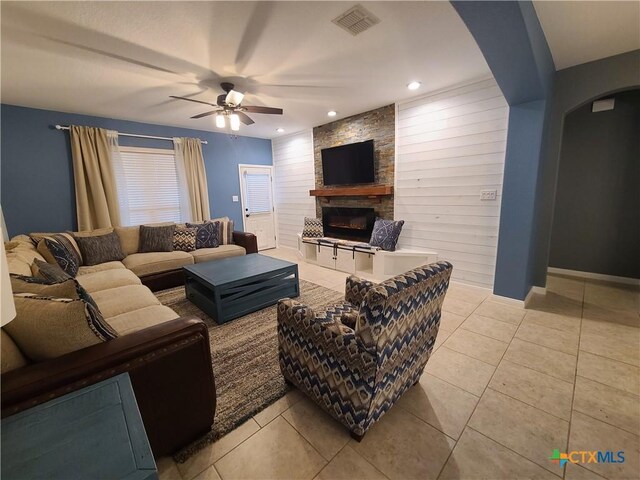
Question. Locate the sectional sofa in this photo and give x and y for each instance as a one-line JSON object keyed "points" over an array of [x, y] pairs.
{"points": [[167, 357]]}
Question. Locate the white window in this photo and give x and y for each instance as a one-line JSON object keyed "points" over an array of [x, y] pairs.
{"points": [[258, 192], [149, 192]]}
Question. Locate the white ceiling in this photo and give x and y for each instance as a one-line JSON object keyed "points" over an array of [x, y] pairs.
{"points": [[582, 31], [124, 59]]}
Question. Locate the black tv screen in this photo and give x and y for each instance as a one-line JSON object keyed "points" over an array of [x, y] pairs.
{"points": [[348, 164]]}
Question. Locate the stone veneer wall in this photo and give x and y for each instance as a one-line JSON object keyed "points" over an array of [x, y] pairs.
{"points": [[378, 125]]}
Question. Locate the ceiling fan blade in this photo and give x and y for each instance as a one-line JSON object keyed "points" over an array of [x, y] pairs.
{"points": [[244, 118], [205, 114], [257, 109], [192, 100], [234, 98]]}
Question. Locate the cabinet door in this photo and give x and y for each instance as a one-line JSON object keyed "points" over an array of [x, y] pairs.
{"points": [[345, 261], [325, 257]]}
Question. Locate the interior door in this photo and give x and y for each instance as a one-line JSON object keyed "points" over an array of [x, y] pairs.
{"points": [[257, 204]]}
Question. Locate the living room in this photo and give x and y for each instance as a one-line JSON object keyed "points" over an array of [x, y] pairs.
{"points": [[320, 239]]}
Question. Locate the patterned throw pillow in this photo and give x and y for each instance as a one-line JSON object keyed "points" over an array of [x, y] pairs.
{"points": [[184, 239], [100, 248], [208, 234], [59, 248], [386, 233], [48, 327], [49, 272], [312, 228], [156, 239], [226, 230]]}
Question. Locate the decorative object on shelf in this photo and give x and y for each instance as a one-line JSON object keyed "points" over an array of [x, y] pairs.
{"points": [[312, 228], [386, 233]]}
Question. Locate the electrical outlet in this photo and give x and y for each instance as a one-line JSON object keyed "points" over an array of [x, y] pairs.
{"points": [[488, 194], [234, 198]]}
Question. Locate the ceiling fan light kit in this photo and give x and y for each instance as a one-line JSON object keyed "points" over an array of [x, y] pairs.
{"points": [[230, 104], [234, 122]]}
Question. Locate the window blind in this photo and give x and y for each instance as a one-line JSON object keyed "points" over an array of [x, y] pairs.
{"points": [[258, 192], [151, 186]]}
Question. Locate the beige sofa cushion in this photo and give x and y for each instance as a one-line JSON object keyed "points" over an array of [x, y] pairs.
{"points": [[129, 239], [93, 233], [11, 357], [223, 251], [155, 262], [119, 277], [20, 255], [119, 300], [89, 269], [142, 318]]}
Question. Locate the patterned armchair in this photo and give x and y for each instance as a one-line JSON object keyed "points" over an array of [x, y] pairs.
{"points": [[357, 358]]}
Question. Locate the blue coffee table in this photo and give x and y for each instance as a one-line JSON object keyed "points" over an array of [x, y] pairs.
{"points": [[232, 287]]}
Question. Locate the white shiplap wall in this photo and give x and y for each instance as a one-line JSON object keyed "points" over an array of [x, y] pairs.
{"points": [[450, 146], [294, 176]]}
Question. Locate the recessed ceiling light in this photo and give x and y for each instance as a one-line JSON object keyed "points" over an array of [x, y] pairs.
{"points": [[332, 113], [279, 130], [414, 85]]}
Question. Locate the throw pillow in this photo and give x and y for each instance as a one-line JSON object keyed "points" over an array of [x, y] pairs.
{"points": [[58, 249], [48, 271], [386, 233], [100, 248], [48, 327], [156, 239], [185, 239], [44, 288], [226, 230], [312, 228], [208, 234]]}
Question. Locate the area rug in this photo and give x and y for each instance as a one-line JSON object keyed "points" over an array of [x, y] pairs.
{"points": [[244, 355]]}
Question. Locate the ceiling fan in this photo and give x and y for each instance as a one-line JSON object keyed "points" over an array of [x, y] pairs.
{"points": [[229, 105]]}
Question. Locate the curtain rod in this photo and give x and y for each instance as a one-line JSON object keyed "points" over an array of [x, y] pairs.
{"points": [[65, 127]]}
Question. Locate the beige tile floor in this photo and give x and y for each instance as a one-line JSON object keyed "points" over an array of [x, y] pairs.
{"points": [[503, 389]]}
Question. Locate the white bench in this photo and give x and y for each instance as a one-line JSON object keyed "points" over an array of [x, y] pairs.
{"points": [[372, 264]]}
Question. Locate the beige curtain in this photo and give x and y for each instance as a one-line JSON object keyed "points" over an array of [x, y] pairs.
{"points": [[96, 193], [192, 178]]}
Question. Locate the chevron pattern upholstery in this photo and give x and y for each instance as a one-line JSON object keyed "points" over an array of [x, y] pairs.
{"points": [[357, 358]]}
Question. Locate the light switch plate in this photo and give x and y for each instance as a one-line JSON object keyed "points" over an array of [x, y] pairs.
{"points": [[488, 194], [234, 198]]}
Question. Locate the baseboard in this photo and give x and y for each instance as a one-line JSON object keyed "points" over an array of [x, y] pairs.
{"points": [[519, 303], [533, 291], [507, 300], [594, 276]]}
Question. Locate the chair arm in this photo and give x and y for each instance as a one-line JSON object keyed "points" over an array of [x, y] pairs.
{"points": [[170, 369], [355, 290], [247, 240]]}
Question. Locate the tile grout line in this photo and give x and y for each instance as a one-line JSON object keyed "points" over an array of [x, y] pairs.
{"points": [[575, 377]]}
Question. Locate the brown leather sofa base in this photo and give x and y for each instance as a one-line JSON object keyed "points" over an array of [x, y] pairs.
{"points": [[170, 369], [175, 278]]}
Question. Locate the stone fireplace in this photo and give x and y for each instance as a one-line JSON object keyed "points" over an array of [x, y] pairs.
{"points": [[377, 125], [348, 223]]}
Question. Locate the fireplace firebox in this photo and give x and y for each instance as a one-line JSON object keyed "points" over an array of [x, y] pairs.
{"points": [[348, 223]]}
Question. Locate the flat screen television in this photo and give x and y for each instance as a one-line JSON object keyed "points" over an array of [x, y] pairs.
{"points": [[348, 164]]}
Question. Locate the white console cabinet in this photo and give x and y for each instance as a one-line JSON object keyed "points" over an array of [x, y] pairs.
{"points": [[376, 265]]}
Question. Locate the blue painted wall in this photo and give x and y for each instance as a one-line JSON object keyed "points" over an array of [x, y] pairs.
{"points": [[513, 43], [36, 176]]}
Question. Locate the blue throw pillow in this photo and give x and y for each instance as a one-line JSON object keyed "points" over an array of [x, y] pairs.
{"points": [[207, 235], [386, 233]]}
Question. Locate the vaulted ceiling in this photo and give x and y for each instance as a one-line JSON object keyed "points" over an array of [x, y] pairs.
{"points": [[124, 59]]}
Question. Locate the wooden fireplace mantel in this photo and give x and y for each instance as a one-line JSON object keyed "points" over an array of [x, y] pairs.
{"points": [[371, 191]]}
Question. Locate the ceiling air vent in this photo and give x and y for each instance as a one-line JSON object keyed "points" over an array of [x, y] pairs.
{"points": [[356, 20]]}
